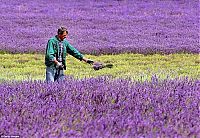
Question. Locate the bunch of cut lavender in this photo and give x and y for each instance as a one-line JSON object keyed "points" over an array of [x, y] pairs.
{"points": [[99, 65]]}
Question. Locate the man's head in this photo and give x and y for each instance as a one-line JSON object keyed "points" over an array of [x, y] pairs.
{"points": [[62, 33]]}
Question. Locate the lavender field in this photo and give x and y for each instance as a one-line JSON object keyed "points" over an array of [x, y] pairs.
{"points": [[143, 39], [102, 27], [101, 107]]}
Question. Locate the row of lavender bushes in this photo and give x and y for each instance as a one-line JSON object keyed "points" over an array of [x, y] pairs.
{"points": [[101, 107], [102, 27]]}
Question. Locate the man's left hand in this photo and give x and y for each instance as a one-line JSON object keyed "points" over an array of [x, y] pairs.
{"points": [[89, 61]]}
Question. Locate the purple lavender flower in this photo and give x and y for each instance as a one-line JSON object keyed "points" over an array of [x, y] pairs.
{"points": [[100, 107], [102, 27], [97, 65]]}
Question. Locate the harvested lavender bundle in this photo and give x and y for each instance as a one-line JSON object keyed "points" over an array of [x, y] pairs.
{"points": [[99, 65]]}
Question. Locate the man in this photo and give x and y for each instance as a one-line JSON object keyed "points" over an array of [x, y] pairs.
{"points": [[55, 57]]}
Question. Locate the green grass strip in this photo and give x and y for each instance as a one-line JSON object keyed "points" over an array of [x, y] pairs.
{"points": [[134, 66]]}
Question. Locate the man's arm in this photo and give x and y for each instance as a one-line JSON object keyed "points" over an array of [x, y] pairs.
{"points": [[75, 53], [50, 54]]}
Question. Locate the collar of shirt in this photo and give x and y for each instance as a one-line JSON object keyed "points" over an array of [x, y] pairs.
{"points": [[58, 38]]}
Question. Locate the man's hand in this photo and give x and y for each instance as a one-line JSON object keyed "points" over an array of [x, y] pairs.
{"points": [[59, 65], [89, 61]]}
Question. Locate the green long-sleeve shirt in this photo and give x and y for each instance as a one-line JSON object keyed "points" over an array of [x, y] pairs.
{"points": [[52, 50]]}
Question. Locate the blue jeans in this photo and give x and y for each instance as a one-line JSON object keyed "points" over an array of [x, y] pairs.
{"points": [[53, 74]]}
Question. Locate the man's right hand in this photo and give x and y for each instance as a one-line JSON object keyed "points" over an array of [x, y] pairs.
{"points": [[59, 65]]}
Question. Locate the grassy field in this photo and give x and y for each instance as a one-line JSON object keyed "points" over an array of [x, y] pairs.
{"points": [[135, 66]]}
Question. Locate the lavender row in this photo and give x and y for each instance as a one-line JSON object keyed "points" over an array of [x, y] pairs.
{"points": [[101, 107], [102, 27]]}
